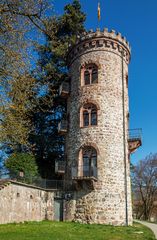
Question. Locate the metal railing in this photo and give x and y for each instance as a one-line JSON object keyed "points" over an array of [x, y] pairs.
{"points": [[135, 134], [84, 171], [35, 181], [62, 126], [59, 166], [64, 89]]}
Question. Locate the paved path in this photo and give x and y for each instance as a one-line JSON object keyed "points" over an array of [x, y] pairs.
{"points": [[152, 226]]}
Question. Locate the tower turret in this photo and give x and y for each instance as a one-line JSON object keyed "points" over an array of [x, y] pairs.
{"points": [[97, 147]]}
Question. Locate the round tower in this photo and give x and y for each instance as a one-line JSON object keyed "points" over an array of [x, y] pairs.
{"points": [[97, 138]]}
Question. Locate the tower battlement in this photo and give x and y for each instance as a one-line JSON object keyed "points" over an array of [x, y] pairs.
{"points": [[97, 41]]}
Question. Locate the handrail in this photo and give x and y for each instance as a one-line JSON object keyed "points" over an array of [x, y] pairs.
{"points": [[62, 126], [36, 181], [135, 134], [64, 88], [84, 171], [59, 166]]}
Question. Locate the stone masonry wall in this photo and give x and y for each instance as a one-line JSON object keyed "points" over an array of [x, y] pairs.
{"points": [[19, 203], [106, 204]]}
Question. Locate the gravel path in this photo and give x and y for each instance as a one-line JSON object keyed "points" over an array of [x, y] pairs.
{"points": [[152, 226]]}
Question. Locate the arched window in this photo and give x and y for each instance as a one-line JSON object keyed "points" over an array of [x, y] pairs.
{"points": [[90, 75], [89, 115], [89, 161]]}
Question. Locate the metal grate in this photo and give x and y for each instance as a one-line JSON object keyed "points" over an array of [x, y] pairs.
{"points": [[62, 126]]}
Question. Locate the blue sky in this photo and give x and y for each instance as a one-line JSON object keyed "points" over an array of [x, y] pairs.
{"points": [[136, 20]]}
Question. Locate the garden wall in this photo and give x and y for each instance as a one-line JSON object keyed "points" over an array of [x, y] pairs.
{"points": [[21, 202]]}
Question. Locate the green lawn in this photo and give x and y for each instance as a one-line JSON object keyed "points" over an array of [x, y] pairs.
{"points": [[72, 231]]}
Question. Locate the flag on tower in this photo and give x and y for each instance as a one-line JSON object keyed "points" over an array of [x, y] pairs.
{"points": [[99, 14]]}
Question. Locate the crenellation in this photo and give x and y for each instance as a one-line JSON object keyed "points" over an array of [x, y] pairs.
{"points": [[98, 32], [91, 31], [119, 36], [113, 33], [100, 40], [105, 29]]}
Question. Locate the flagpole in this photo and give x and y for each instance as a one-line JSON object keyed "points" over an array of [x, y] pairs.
{"points": [[99, 14]]}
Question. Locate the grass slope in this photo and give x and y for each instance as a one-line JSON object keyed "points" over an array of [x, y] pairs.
{"points": [[47, 230]]}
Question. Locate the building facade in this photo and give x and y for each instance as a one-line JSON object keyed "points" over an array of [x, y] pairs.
{"points": [[97, 142]]}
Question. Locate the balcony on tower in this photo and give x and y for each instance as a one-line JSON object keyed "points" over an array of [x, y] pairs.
{"points": [[60, 167], [84, 176], [62, 127], [64, 89], [134, 139]]}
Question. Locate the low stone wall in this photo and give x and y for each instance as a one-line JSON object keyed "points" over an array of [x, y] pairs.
{"points": [[21, 202]]}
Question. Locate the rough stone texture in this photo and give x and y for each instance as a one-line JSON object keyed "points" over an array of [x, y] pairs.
{"points": [[106, 204], [20, 202]]}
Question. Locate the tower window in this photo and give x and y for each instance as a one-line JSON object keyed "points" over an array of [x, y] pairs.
{"points": [[86, 77], [88, 168], [94, 75], [90, 74], [86, 118], [88, 115]]}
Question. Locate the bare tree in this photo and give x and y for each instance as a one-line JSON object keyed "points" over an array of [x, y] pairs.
{"points": [[145, 186]]}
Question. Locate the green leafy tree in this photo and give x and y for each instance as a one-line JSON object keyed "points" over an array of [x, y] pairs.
{"points": [[15, 120], [22, 162], [18, 19], [52, 70], [30, 107]]}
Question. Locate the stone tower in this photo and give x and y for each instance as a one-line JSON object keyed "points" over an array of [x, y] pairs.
{"points": [[97, 146]]}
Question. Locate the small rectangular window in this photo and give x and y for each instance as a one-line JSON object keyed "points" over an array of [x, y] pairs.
{"points": [[93, 118], [94, 76], [87, 77], [86, 118]]}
